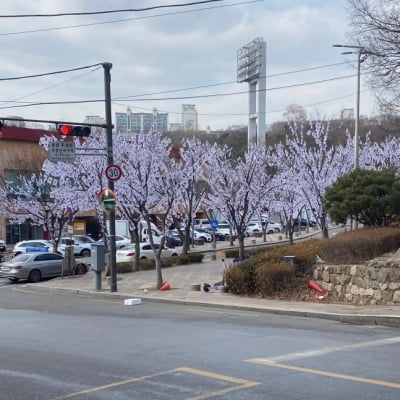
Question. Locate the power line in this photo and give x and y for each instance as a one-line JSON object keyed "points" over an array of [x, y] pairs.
{"points": [[230, 82], [49, 73], [179, 97], [50, 87], [246, 113], [126, 19], [242, 92], [107, 11]]}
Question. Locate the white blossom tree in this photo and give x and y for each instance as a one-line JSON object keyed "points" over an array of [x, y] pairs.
{"points": [[237, 188], [145, 186], [191, 185], [41, 199]]}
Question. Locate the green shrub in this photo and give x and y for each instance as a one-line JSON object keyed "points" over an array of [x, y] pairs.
{"points": [[360, 245], [124, 267], [232, 253], [304, 255], [246, 285], [274, 277], [146, 264], [195, 257], [235, 279]]}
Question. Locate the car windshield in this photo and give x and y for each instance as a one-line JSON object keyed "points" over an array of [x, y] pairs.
{"points": [[21, 257]]}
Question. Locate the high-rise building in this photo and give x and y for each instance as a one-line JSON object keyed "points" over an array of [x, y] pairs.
{"points": [[95, 119], [129, 122], [189, 118]]}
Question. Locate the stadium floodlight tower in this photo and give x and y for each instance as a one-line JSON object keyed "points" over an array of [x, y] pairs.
{"points": [[251, 68]]}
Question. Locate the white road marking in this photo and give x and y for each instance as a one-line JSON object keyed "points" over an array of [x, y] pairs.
{"points": [[330, 349]]}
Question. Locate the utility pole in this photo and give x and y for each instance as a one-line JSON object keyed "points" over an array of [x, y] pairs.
{"points": [[110, 160], [359, 50]]}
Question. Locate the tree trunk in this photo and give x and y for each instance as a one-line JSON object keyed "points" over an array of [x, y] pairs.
{"points": [[324, 228], [159, 273], [241, 246], [135, 235], [186, 240], [290, 231]]}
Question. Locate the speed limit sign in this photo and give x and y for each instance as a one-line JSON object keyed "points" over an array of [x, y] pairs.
{"points": [[113, 172]]}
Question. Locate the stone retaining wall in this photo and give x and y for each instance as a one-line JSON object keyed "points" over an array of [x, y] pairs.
{"points": [[377, 283]]}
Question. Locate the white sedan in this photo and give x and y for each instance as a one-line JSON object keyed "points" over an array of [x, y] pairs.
{"points": [[127, 254], [120, 241]]}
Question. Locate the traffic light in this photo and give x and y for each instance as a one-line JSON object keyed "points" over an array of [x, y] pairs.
{"points": [[74, 130]]}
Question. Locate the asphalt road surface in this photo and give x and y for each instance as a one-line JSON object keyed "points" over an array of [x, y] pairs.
{"points": [[76, 347]]}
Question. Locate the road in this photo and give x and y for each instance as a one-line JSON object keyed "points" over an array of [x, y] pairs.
{"points": [[76, 347]]}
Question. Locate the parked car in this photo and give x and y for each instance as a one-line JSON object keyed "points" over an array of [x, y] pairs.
{"points": [[219, 236], [252, 228], [29, 246], [225, 230], [82, 245], [304, 222], [201, 224], [202, 234], [127, 254], [269, 226], [173, 239], [2, 245], [273, 227], [35, 266], [120, 241]]}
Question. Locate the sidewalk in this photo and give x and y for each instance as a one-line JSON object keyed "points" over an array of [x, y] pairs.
{"points": [[181, 278]]}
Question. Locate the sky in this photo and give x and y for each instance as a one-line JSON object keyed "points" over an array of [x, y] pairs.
{"points": [[161, 57]]}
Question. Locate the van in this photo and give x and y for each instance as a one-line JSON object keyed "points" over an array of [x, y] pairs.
{"points": [[201, 224], [144, 232]]}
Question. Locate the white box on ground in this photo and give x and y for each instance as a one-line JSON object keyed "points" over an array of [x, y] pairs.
{"points": [[132, 302]]}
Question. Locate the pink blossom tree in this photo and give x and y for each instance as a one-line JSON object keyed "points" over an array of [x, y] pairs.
{"points": [[315, 165]]}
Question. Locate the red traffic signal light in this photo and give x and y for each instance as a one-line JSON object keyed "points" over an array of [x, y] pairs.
{"points": [[74, 130]]}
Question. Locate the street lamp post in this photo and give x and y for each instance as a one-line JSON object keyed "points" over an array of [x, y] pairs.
{"points": [[359, 51]]}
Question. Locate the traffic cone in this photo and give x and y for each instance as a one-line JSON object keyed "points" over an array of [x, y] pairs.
{"points": [[165, 286], [321, 293], [314, 285]]}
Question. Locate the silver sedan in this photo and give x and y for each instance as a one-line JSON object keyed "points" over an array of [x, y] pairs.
{"points": [[35, 266]]}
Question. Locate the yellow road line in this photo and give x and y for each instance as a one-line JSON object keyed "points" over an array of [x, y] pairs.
{"points": [[328, 374], [242, 383], [112, 385], [212, 375]]}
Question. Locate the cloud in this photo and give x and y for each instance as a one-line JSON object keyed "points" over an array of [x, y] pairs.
{"points": [[154, 53]]}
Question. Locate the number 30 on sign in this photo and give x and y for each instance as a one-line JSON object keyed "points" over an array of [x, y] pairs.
{"points": [[113, 172]]}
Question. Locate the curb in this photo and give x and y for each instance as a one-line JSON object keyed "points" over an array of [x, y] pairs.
{"points": [[385, 320]]}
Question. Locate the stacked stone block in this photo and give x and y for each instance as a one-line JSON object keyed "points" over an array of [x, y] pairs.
{"points": [[376, 283]]}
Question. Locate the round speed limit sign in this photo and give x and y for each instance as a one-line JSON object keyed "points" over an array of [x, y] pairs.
{"points": [[113, 172]]}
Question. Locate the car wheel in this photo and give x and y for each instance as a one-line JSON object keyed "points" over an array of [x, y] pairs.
{"points": [[174, 255], [270, 232], [35, 276], [13, 279], [85, 253], [143, 258], [80, 269]]}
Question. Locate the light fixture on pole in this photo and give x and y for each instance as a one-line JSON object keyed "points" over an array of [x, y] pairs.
{"points": [[359, 51]]}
